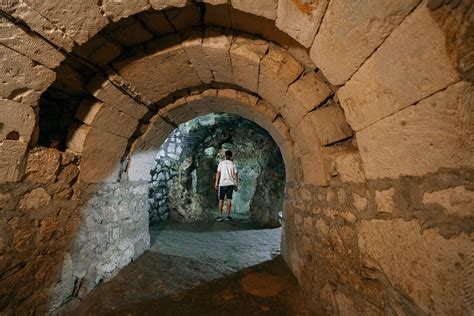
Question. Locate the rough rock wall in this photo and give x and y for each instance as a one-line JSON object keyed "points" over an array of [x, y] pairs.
{"points": [[183, 178], [60, 238]]}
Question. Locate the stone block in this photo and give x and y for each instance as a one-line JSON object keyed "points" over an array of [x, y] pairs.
{"points": [[184, 18], [245, 22], [218, 15], [107, 92], [116, 10], [301, 19], [42, 165], [246, 53], [41, 25], [22, 80], [12, 162], [192, 45], [29, 44], [305, 136], [156, 22], [384, 200], [431, 270], [144, 150], [130, 33], [34, 199], [101, 156], [99, 50], [400, 72], [360, 202], [79, 20], [435, 133], [165, 4], [17, 121], [303, 96], [76, 139], [277, 71], [216, 47], [107, 118], [339, 49], [348, 166], [266, 9], [456, 201], [314, 169], [168, 67], [330, 124]]}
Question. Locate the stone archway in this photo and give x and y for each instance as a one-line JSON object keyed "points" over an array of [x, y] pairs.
{"points": [[405, 189]]}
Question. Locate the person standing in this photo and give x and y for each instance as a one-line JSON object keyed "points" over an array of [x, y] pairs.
{"points": [[225, 183]]}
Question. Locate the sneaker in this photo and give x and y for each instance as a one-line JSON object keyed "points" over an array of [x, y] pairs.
{"points": [[219, 219], [228, 218]]}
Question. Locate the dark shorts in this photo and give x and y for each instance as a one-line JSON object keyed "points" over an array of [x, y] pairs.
{"points": [[226, 190]]}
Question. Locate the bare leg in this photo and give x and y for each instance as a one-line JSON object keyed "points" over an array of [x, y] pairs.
{"points": [[221, 207], [229, 206]]}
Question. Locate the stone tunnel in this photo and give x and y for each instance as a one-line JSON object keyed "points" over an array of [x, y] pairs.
{"points": [[370, 103]]}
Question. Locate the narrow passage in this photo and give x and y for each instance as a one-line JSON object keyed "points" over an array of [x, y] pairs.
{"points": [[228, 268]]}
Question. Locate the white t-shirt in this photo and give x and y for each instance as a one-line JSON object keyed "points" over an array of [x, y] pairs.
{"points": [[227, 169]]}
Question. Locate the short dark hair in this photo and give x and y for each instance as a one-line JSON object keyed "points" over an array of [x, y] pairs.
{"points": [[228, 154]]}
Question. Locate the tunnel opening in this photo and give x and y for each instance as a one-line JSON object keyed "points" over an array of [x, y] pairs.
{"points": [[182, 178]]}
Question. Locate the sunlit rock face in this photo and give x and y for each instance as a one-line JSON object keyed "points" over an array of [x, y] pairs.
{"points": [[182, 184]]}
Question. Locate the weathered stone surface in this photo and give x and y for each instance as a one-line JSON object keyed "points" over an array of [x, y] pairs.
{"points": [[267, 9], [277, 71], [157, 23], [398, 249], [116, 10], [11, 164], [79, 20], [348, 167], [216, 48], [301, 19], [164, 4], [107, 118], [42, 165], [192, 45], [22, 80], [246, 53], [305, 95], [305, 136], [41, 25], [101, 153], [384, 200], [29, 45], [340, 48], [314, 169], [17, 121], [144, 149], [184, 18], [330, 124], [107, 92], [130, 33], [456, 201], [360, 202], [437, 132], [400, 72], [99, 50], [218, 15], [34, 199], [168, 68]]}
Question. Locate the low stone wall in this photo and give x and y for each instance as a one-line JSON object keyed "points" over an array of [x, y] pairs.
{"points": [[388, 246], [112, 233], [59, 238]]}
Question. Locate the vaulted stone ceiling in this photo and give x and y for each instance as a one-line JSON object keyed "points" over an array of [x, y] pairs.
{"points": [[370, 103]]}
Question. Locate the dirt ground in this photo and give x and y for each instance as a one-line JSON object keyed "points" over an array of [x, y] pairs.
{"points": [[201, 269]]}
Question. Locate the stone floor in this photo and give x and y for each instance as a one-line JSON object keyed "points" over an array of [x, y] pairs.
{"points": [[223, 268]]}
